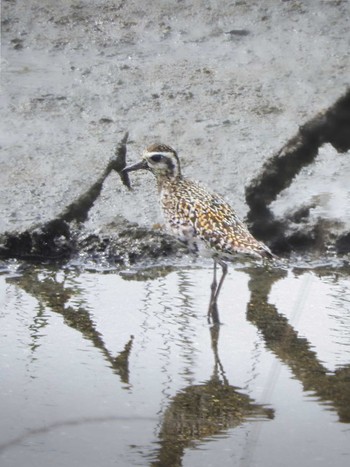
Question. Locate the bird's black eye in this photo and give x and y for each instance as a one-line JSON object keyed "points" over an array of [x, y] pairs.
{"points": [[156, 157]]}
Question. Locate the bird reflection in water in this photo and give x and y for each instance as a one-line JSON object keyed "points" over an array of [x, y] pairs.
{"points": [[204, 410]]}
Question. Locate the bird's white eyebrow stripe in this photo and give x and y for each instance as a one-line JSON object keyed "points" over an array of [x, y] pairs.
{"points": [[153, 153]]}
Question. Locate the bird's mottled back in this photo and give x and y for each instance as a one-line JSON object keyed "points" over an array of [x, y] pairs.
{"points": [[193, 213]]}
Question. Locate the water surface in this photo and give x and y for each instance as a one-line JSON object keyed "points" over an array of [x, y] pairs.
{"points": [[124, 369]]}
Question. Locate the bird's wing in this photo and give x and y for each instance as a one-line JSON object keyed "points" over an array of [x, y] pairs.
{"points": [[217, 224]]}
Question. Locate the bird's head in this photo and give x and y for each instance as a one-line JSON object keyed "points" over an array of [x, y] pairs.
{"points": [[159, 159]]}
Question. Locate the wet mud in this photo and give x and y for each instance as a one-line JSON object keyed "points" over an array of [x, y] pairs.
{"points": [[296, 231], [56, 178], [64, 237]]}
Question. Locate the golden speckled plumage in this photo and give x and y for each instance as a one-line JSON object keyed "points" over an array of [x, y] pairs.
{"points": [[201, 219], [193, 213]]}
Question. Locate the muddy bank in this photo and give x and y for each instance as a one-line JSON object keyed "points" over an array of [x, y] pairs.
{"points": [[298, 229], [66, 237], [124, 242], [227, 86]]}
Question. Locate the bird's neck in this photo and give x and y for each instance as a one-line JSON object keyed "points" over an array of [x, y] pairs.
{"points": [[167, 181]]}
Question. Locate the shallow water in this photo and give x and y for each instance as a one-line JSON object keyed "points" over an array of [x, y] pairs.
{"points": [[123, 369]]}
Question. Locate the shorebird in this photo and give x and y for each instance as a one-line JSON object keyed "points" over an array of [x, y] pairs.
{"points": [[201, 219]]}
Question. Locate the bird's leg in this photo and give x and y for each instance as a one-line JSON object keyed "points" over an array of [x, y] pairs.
{"points": [[224, 272], [213, 309], [213, 285]]}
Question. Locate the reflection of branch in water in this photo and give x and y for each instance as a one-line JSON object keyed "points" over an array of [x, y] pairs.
{"points": [[204, 410], [181, 331], [53, 294], [40, 321], [295, 351], [187, 329]]}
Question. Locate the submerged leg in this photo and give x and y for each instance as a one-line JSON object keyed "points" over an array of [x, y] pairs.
{"points": [[213, 288], [213, 313], [224, 272], [214, 284]]}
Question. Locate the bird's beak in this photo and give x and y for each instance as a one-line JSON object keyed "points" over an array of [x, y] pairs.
{"points": [[142, 165]]}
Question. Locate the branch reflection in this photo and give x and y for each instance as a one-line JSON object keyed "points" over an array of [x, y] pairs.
{"points": [[295, 351], [53, 293]]}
